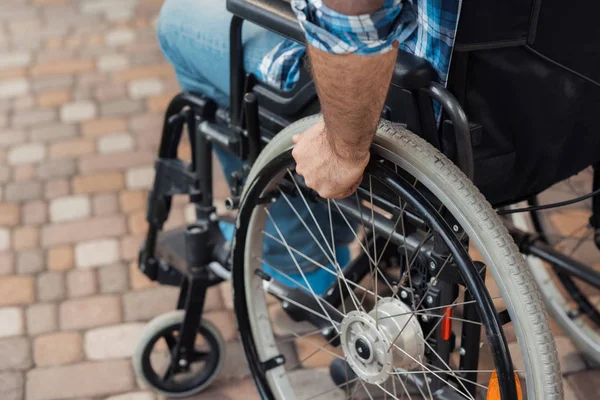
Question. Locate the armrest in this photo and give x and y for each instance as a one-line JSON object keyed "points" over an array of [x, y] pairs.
{"points": [[275, 15]]}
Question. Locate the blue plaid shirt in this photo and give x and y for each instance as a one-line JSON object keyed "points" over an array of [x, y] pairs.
{"points": [[426, 28]]}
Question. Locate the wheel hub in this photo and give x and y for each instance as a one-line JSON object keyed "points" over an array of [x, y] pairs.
{"points": [[382, 340]]}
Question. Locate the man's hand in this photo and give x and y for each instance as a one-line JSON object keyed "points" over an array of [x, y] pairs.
{"points": [[332, 172]]}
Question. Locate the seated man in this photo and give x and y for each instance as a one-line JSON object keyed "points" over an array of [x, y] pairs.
{"points": [[352, 46]]}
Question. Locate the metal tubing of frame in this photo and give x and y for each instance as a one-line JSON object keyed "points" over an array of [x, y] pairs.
{"points": [[236, 65], [562, 263], [462, 130]]}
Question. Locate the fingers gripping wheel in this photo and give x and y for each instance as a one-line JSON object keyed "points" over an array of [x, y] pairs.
{"points": [[154, 365]]}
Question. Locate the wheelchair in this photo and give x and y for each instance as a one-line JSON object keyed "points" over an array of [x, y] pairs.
{"points": [[436, 300]]}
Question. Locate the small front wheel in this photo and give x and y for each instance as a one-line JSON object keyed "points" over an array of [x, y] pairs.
{"points": [[154, 365]]}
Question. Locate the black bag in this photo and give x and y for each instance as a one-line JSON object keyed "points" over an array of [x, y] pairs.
{"points": [[528, 72]]}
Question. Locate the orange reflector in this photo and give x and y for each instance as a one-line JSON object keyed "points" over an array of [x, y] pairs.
{"points": [[493, 392], [446, 326]]}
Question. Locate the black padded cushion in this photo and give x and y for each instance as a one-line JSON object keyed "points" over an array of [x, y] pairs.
{"points": [[412, 72], [275, 15]]}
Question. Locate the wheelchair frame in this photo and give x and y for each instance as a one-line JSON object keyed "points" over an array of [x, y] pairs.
{"points": [[238, 130]]}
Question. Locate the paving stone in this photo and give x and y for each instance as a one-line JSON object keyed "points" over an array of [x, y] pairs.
{"points": [[32, 118], [16, 290], [11, 385], [77, 112], [83, 230], [147, 304], [585, 384], [51, 286], [24, 102], [57, 348], [53, 98], [119, 37], [112, 342], [15, 59], [4, 239], [132, 200], [234, 365], [81, 283], [109, 92], [137, 223], [103, 126], [26, 154], [121, 107], [140, 177], [60, 258], [112, 62], [56, 169], [9, 214], [115, 162], [26, 238], [56, 188], [137, 279], [142, 88], [105, 204], [159, 103], [14, 87], [97, 252], [4, 174], [50, 83], [70, 208], [41, 318], [64, 67], [7, 263], [115, 143], [30, 261], [225, 322], [89, 312], [130, 246], [146, 123], [71, 148], [34, 212], [98, 183], [14, 352], [11, 137], [12, 325], [133, 396], [79, 380], [23, 173], [113, 278], [52, 132], [24, 191], [146, 71]]}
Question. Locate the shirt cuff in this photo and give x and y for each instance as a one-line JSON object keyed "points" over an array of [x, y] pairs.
{"points": [[367, 34]]}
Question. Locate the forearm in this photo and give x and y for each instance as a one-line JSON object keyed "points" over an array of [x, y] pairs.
{"points": [[352, 88], [352, 91]]}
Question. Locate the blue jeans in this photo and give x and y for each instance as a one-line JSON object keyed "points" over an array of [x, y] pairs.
{"points": [[194, 37]]}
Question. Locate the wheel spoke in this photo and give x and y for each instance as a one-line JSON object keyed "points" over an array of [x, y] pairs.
{"points": [[171, 341], [304, 339], [317, 264], [302, 287], [317, 298], [345, 385]]}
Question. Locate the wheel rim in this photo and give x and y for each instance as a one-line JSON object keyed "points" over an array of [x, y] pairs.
{"points": [[166, 379], [372, 335]]}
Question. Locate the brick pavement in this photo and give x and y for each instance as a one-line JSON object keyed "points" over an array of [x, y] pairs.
{"points": [[82, 91]]}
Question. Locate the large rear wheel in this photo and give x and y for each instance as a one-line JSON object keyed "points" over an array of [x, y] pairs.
{"points": [[424, 327]]}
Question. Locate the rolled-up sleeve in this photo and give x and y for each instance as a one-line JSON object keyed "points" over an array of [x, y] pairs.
{"points": [[367, 34]]}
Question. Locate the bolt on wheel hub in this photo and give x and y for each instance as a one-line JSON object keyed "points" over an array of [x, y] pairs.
{"points": [[372, 342]]}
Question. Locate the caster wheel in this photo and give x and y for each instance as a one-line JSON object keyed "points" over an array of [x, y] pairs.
{"points": [[153, 363]]}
